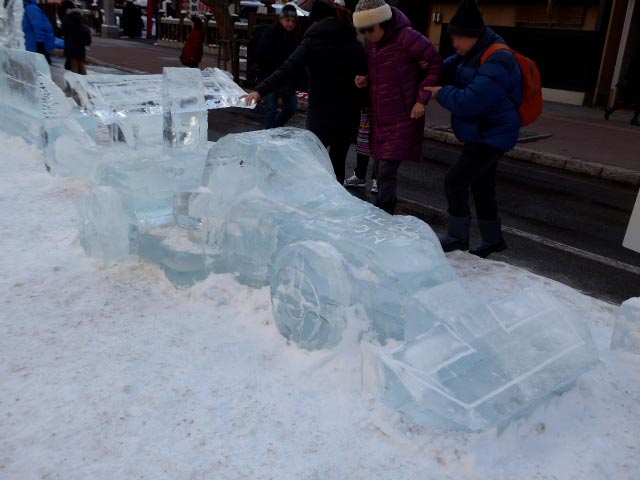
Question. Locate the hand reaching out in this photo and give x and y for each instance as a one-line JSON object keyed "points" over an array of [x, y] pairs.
{"points": [[252, 98]]}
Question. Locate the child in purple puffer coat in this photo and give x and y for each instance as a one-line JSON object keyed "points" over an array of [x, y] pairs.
{"points": [[396, 80]]}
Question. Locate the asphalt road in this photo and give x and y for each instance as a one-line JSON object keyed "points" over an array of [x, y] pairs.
{"points": [[564, 226]]}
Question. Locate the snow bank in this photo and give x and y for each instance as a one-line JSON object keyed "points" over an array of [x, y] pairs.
{"points": [[107, 371]]}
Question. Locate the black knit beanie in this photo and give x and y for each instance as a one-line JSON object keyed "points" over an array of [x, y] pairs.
{"points": [[321, 10], [467, 21], [289, 11]]}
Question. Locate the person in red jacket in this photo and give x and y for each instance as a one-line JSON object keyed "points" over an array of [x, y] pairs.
{"points": [[397, 55], [192, 50]]}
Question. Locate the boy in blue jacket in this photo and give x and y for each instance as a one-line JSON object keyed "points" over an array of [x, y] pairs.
{"points": [[483, 100], [38, 31]]}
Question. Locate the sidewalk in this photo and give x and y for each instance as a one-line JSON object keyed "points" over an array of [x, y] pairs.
{"points": [[137, 56], [580, 139]]}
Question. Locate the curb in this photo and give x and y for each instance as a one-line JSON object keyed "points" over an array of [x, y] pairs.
{"points": [[561, 162]]}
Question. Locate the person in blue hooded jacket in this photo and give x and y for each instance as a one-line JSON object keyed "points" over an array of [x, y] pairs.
{"points": [[483, 100], [38, 31]]}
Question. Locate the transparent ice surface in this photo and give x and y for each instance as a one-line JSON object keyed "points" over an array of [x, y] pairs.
{"points": [[131, 105], [626, 330], [21, 100], [220, 91], [34, 108], [69, 147], [145, 183], [184, 111], [11, 34], [114, 97], [107, 229]]}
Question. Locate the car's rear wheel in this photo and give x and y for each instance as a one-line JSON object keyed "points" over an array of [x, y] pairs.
{"points": [[310, 292]]}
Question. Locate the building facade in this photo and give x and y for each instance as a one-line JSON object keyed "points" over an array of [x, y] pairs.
{"points": [[581, 46]]}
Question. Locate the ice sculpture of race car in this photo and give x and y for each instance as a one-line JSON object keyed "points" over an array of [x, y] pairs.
{"points": [[270, 210]]}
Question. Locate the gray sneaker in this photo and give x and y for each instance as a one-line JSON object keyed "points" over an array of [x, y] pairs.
{"points": [[355, 182], [374, 186]]}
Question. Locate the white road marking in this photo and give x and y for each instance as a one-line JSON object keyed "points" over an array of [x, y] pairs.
{"points": [[553, 244]]}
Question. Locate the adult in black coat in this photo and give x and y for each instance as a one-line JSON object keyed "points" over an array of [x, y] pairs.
{"points": [[277, 43], [131, 20], [63, 7], [332, 57]]}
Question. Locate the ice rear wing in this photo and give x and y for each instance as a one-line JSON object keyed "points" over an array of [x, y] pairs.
{"points": [[145, 112], [131, 106]]}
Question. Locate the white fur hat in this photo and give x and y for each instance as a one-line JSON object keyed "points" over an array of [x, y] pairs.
{"points": [[371, 12]]}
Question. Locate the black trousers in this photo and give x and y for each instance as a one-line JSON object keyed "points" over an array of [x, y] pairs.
{"points": [[386, 173], [338, 149], [362, 166], [475, 170], [40, 49]]}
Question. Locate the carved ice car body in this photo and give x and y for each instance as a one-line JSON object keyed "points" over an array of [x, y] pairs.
{"points": [[271, 211]]}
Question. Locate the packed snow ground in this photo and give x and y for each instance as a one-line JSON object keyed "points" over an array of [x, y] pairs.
{"points": [[108, 372]]}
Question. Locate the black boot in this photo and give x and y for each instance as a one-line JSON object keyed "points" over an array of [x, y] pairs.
{"points": [[635, 121], [607, 113], [492, 241], [457, 237]]}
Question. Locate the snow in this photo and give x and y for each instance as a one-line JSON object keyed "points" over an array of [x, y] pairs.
{"points": [[107, 371]]}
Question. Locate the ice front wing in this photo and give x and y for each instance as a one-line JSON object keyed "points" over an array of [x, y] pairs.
{"points": [[485, 367]]}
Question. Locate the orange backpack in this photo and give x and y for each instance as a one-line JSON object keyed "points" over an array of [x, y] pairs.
{"points": [[532, 103]]}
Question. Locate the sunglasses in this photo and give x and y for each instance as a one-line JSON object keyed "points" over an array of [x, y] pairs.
{"points": [[363, 31]]}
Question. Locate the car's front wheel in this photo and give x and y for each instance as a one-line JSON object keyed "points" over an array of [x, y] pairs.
{"points": [[310, 292]]}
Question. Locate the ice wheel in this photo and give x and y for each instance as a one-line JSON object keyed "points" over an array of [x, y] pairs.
{"points": [[310, 292]]}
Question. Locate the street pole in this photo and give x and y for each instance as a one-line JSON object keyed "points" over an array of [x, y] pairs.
{"points": [[109, 27]]}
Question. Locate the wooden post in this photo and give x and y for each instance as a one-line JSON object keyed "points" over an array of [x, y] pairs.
{"points": [[150, 19]]}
